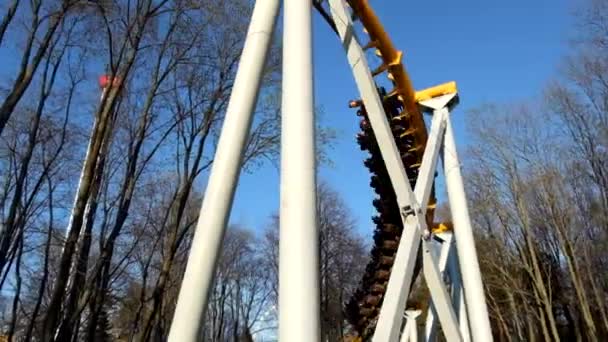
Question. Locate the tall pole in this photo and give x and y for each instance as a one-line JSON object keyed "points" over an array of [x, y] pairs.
{"points": [[104, 89], [299, 245], [465, 243], [217, 203]]}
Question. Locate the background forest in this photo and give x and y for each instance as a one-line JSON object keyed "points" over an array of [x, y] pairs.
{"points": [[100, 189]]}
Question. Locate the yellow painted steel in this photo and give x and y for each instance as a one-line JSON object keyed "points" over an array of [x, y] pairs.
{"points": [[353, 339], [443, 227], [442, 89], [392, 58]]}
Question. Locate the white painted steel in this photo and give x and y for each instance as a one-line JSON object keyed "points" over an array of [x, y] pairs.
{"points": [[414, 327], [426, 173], [215, 211], [458, 297], [439, 295], [299, 245], [389, 320], [414, 332], [406, 333], [446, 252], [410, 331], [465, 243]]}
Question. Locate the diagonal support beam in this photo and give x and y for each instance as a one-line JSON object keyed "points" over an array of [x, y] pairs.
{"points": [[441, 299], [458, 296], [426, 173]]}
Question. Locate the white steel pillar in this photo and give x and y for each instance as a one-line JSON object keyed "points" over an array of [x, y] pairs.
{"points": [[299, 307], [458, 298], [445, 254], [410, 331], [465, 243], [215, 211]]}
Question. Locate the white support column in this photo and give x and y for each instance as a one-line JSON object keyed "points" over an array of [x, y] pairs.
{"points": [[299, 245], [458, 298], [444, 257], [465, 243], [433, 269], [215, 211], [410, 331], [439, 295], [414, 332], [406, 333]]}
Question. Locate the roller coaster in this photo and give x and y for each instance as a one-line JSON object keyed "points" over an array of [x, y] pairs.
{"points": [[403, 158]]}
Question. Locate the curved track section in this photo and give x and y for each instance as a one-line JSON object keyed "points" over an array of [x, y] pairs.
{"points": [[410, 136]]}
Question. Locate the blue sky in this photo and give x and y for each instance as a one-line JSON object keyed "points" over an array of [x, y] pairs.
{"points": [[495, 51]]}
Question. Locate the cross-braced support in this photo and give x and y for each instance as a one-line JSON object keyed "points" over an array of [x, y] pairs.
{"points": [[448, 266], [413, 203]]}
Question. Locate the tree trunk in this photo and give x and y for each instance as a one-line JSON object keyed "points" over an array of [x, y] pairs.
{"points": [[600, 301], [71, 311], [82, 199], [105, 113], [536, 274], [515, 315]]}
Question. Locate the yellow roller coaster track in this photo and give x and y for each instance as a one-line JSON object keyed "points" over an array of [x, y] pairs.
{"points": [[392, 63]]}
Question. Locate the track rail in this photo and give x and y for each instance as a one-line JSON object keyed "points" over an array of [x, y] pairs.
{"points": [[410, 133]]}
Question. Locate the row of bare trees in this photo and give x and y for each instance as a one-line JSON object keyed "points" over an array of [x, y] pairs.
{"points": [[100, 187], [539, 192]]}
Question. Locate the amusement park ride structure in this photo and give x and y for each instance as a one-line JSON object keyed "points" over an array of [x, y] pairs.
{"points": [[404, 159]]}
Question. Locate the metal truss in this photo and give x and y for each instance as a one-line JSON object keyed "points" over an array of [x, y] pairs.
{"points": [[413, 203]]}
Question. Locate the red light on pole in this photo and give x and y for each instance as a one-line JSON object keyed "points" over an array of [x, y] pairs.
{"points": [[105, 81]]}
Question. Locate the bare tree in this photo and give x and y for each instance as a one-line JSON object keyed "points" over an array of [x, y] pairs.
{"points": [[242, 291], [196, 97], [44, 21], [534, 206]]}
